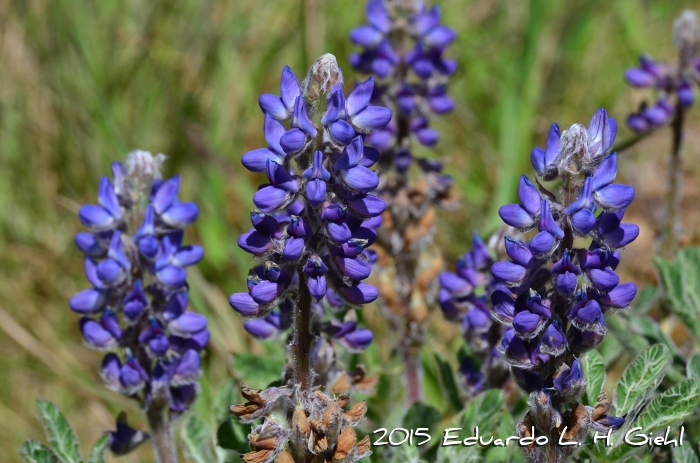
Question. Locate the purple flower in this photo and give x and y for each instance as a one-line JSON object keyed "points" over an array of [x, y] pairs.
{"points": [[526, 214], [281, 107], [125, 439], [256, 160], [105, 215], [169, 209], [544, 160]]}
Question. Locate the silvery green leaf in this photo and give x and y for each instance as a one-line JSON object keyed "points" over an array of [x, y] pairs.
{"points": [[99, 450], [457, 453], [199, 446], [610, 349], [669, 409], [692, 369], [676, 294], [639, 380], [594, 372], [689, 268], [226, 396], [684, 454], [60, 434], [645, 300], [484, 410], [35, 452], [406, 454], [631, 341], [650, 329]]}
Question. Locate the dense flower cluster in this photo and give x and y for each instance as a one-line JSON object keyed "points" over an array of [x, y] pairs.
{"points": [[403, 45], [311, 228], [558, 294], [137, 306], [674, 84], [465, 298]]}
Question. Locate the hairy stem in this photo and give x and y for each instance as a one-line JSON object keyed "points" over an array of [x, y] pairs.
{"points": [[303, 338], [668, 241], [161, 437], [414, 370]]}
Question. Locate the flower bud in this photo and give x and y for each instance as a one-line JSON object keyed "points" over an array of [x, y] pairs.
{"points": [[322, 78]]}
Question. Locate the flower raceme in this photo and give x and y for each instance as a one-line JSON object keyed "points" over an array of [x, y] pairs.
{"points": [[315, 226], [556, 295], [136, 308], [312, 224], [403, 46], [464, 298], [674, 85]]}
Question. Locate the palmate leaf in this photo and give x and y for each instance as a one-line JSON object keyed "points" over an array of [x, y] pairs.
{"points": [[594, 372], [639, 380], [669, 409], [60, 434], [196, 436], [98, 453], [35, 452]]}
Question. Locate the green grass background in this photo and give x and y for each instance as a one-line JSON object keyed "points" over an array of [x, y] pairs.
{"points": [[83, 82]]}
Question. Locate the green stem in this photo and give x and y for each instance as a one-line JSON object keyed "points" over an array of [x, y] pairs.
{"points": [[634, 139], [161, 437], [667, 235]]}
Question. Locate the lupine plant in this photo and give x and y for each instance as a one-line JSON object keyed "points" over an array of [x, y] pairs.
{"points": [[136, 309], [465, 297], [311, 226], [403, 46], [675, 94], [559, 290]]}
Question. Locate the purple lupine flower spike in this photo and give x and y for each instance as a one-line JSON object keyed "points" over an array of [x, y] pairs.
{"points": [[137, 306], [311, 232], [555, 296], [464, 298], [338, 189], [673, 84], [404, 46]]}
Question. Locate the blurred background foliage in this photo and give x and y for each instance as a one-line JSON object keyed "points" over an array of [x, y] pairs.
{"points": [[82, 83]]}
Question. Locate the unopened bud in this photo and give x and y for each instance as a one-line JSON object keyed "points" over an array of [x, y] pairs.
{"points": [[573, 146], [143, 164], [323, 76], [685, 31]]}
